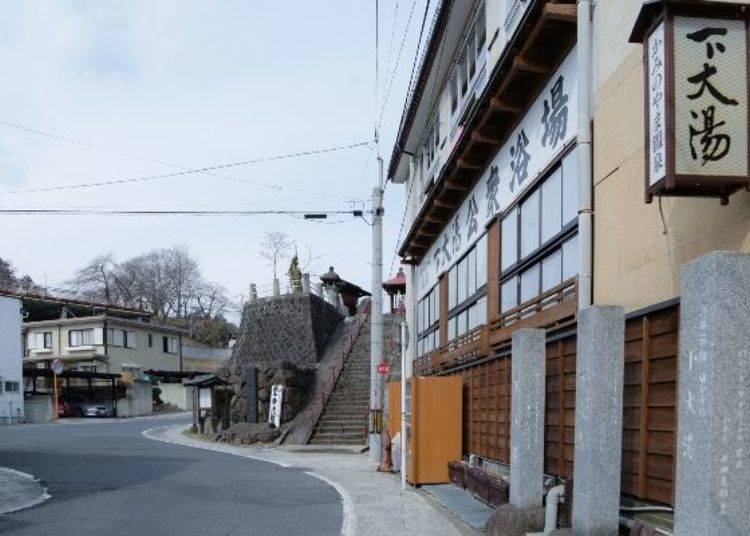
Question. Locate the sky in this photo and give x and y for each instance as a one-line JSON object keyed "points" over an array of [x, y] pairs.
{"points": [[192, 84]]}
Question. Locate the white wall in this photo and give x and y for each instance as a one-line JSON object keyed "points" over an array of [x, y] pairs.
{"points": [[11, 354]]}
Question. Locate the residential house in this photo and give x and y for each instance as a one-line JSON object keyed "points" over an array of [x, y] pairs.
{"points": [[96, 337], [11, 383]]}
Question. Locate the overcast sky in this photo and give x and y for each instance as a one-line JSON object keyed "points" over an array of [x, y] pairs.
{"points": [[196, 84]]}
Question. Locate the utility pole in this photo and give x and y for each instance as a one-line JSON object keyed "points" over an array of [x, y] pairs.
{"points": [[376, 320]]}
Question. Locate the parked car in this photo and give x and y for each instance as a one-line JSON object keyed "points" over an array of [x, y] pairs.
{"points": [[77, 406]]}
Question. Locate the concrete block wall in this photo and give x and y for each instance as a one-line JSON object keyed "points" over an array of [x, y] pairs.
{"points": [[138, 400]]}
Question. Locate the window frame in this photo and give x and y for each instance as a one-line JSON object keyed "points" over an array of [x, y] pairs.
{"points": [[567, 230], [433, 326], [476, 296], [465, 73], [90, 331]]}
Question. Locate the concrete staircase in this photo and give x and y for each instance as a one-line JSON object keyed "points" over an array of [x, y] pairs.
{"points": [[344, 419]]}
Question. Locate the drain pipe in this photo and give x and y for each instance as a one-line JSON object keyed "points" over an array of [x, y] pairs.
{"points": [[585, 182], [404, 335], [554, 497]]}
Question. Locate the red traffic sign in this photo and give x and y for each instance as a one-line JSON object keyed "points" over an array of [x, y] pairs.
{"points": [[384, 368]]}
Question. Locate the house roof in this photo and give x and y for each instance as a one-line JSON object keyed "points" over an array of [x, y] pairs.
{"points": [[149, 326], [206, 380], [41, 307]]}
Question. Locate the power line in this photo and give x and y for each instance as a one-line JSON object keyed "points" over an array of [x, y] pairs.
{"points": [[200, 170], [398, 60], [167, 212], [135, 156], [414, 64]]}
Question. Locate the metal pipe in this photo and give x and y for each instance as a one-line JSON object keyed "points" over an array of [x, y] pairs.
{"points": [[376, 320], [554, 497], [585, 182]]}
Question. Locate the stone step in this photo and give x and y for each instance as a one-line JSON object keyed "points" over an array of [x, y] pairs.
{"points": [[345, 414], [314, 441], [341, 436], [357, 430]]}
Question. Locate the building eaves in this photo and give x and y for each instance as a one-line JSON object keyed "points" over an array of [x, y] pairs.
{"points": [[414, 99]]}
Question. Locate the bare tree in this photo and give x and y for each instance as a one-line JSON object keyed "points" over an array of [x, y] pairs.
{"points": [[183, 275], [95, 280], [211, 300], [7, 275], [275, 246]]}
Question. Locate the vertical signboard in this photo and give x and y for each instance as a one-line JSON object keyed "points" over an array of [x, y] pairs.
{"points": [[275, 404], [696, 100], [656, 105]]}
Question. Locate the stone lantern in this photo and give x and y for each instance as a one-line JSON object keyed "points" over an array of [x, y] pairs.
{"points": [[331, 281]]}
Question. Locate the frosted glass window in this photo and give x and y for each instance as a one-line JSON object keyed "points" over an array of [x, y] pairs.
{"points": [[552, 205], [509, 294], [482, 311], [435, 306], [509, 250], [530, 224], [452, 288], [451, 329], [570, 258], [472, 272], [482, 261], [552, 270], [462, 279], [570, 187], [461, 323], [530, 283]]}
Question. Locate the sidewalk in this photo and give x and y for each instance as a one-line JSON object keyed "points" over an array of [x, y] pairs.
{"points": [[19, 490], [373, 502]]}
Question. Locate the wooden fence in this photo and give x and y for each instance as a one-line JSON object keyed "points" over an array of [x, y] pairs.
{"points": [[648, 443]]}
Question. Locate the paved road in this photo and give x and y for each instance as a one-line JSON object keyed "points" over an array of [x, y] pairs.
{"points": [[105, 478]]}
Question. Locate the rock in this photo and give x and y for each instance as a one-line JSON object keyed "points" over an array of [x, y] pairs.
{"points": [[248, 433], [508, 520]]}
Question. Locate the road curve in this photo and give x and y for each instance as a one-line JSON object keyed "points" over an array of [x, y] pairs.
{"points": [[106, 478]]}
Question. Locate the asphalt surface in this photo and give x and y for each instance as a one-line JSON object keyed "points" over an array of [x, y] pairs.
{"points": [[105, 478]]}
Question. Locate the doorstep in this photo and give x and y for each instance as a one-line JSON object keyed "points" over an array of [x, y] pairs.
{"points": [[461, 503]]}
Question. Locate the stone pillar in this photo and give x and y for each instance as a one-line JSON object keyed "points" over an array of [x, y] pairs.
{"points": [[276, 290], [713, 455], [306, 283], [527, 419], [253, 295], [600, 365], [250, 392]]}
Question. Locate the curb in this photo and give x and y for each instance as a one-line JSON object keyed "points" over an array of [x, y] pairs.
{"points": [[34, 495]]}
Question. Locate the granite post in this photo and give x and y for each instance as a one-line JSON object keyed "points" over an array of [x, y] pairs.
{"points": [[600, 365], [527, 418], [250, 393], [306, 283], [713, 455]]}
